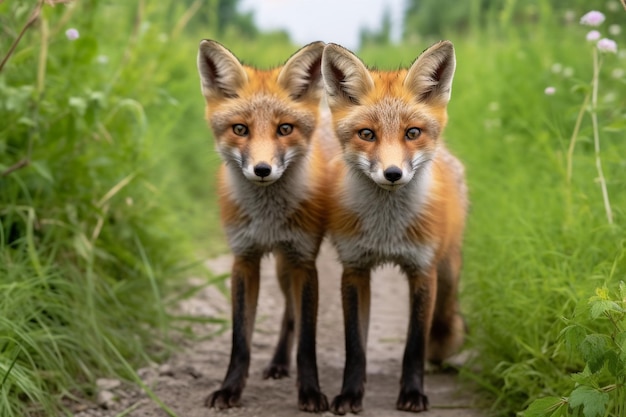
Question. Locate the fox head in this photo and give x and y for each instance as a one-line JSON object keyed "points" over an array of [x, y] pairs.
{"points": [[389, 122], [262, 120]]}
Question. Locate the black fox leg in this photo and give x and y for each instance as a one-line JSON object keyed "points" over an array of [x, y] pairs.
{"points": [[423, 289], [244, 296], [305, 294], [355, 295], [279, 365]]}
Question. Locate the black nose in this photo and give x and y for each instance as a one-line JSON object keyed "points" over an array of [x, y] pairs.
{"points": [[262, 170], [393, 173]]}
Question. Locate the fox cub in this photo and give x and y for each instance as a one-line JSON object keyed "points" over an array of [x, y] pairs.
{"points": [[399, 197], [272, 196]]}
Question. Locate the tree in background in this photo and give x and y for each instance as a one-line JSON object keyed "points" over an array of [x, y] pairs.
{"points": [[440, 18], [381, 37], [221, 16]]}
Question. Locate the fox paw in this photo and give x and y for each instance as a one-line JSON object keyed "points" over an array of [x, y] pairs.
{"points": [[276, 371], [223, 398], [347, 403], [412, 400], [312, 400]]}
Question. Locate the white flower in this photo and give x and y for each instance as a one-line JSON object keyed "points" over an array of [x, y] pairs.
{"points": [[617, 73], [607, 45], [72, 34], [568, 72], [593, 35], [549, 91], [592, 18], [556, 68], [615, 30]]}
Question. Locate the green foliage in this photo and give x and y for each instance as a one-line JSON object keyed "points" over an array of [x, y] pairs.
{"points": [[87, 240], [597, 335], [437, 19]]}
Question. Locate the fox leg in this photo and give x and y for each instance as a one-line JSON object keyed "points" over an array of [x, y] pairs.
{"points": [[305, 290], [244, 296], [355, 296], [279, 365], [423, 290], [448, 329]]}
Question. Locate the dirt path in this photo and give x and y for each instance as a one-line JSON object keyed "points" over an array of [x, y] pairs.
{"points": [[185, 381]]}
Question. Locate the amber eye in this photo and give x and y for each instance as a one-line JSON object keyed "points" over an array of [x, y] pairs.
{"points": [[240, 130], [284, 129], [413, 133], [367, 135]]}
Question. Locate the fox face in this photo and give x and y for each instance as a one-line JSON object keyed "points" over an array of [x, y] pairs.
{"points": [[389, 123], [263, 121]]}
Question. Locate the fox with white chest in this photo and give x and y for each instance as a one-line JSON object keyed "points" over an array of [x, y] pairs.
{"points": [[398, 196], [272, 197]]}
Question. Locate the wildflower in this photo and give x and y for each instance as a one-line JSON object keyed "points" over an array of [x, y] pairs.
{"points": [[617, 73], [607, 45], [102, 59], [72, 34], [592, 18], [549, 91], [615, 30], [594, 35], [556, 68], [568, 72]]}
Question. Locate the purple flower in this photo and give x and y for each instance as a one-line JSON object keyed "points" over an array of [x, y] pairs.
{"points": [[592, 18], [607, 45], [549, 91], [72, 34], [594, 35]]}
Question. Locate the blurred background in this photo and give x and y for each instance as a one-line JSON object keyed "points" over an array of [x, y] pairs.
{"points": [[107, 199]]}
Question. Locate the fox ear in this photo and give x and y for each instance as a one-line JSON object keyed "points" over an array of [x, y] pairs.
{"points": [[221, 73], [346, 78], [301, 75], [430, 76]]}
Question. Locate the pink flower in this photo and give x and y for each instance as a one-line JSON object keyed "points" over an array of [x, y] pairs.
{"points": [[549, 91], [607, 45], [594, 35], [592, 18], [72, 34]]}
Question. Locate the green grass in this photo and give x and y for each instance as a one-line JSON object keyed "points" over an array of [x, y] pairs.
{"points": [[536, 246]]}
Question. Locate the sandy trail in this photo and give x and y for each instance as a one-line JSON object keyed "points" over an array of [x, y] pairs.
{"points": [[189, 376]]}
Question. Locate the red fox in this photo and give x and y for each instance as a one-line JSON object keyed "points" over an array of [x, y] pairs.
{"points": [[399, 197], [272, 197]]}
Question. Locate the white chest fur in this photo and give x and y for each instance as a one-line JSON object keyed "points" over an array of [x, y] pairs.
{"points": [[384, 218], [269, 213]]}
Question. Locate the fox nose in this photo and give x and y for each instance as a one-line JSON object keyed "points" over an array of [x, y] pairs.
{"points": [[262, 169], [393, 173]]}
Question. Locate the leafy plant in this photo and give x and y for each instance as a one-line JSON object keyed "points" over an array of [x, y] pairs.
{"points": [[600, 388]]}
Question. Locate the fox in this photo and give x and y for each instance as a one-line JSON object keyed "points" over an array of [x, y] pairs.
{"points": [[398, 197], [272, 198]]}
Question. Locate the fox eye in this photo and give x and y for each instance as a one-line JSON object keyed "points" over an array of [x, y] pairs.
{"points": [[367, 135], [284, 129], [413, 133], [240, 130]]}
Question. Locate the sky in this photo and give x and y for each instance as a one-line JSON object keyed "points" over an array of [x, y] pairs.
{"points": [[337, 21]]}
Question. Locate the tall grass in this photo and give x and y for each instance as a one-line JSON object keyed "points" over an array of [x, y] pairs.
{"points": [[87, 240], [537, 245]]}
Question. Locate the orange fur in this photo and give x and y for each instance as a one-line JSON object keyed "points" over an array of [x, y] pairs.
{"points": [[398, 197], [272, 198]]}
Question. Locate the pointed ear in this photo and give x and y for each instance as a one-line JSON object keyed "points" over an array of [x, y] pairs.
{"points": [[346, 78], [301, 75], [221, 73], [430, 76]]}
